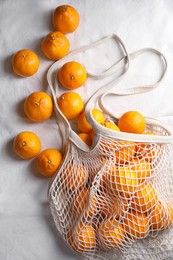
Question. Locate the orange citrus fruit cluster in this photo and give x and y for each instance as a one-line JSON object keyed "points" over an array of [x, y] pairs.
{"points": [[126, 206], [55, 45], [38, 106]]}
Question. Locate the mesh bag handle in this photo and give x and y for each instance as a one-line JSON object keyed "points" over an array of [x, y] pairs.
{"points": [[65, 128]]}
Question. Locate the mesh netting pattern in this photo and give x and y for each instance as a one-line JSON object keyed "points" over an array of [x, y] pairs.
{"points": [[116, 199]]}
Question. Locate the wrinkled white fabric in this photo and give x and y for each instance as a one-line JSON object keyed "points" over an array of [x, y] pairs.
{"points": [[26, 226]]}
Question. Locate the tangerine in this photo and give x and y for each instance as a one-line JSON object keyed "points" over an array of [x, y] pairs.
{"points": [[145, 198], [132, 122], [122, 181], [65, 19], [48, 161], [111, 126], [87, 138], [111, 233], [55, 45], [71, 105], [25, 63], [98, 116], [136, 224], [38, 106], [83, 124], [74, 176], [83, 239], [27, 145], [72, 75], [142, 167]]}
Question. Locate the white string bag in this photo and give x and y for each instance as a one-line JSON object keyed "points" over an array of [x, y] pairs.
{"points": [[114, 200]]}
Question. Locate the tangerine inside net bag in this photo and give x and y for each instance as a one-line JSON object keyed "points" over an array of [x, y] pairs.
{"points": [[115, 199]]}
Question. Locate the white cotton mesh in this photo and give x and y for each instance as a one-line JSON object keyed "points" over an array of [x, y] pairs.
{"points": [[116, 201]]}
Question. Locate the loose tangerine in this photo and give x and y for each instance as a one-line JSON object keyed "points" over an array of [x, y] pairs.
{"points": [[55, 45], [38, 106], [65, 19], [72, 75], [132, 122], [25, 63], [27, 145], [48, 161], [71, 105]]}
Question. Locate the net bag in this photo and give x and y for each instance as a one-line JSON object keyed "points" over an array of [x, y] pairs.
{"points": [[115, 199]]}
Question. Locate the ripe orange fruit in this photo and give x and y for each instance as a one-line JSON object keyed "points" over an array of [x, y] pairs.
{"points": [[25, 63], [83, 239], [38, 106], [136, 224], [132, 122], [81, 200], [27, 145], [74, 176], [158, 217], [111, 233], [142, 167], [65, 19], [98, 116], [87, 138], [121, 180], [83, 124], [48, 161], [111, 126], [124, 151], [72, 75], [145, 198], [55, 45], [71, 105]]}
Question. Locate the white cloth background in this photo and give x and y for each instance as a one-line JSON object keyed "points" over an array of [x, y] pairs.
{"points": [[26, 226]]}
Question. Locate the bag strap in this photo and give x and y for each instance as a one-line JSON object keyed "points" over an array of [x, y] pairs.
{"points": [[65, 128], [108, 89]]}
